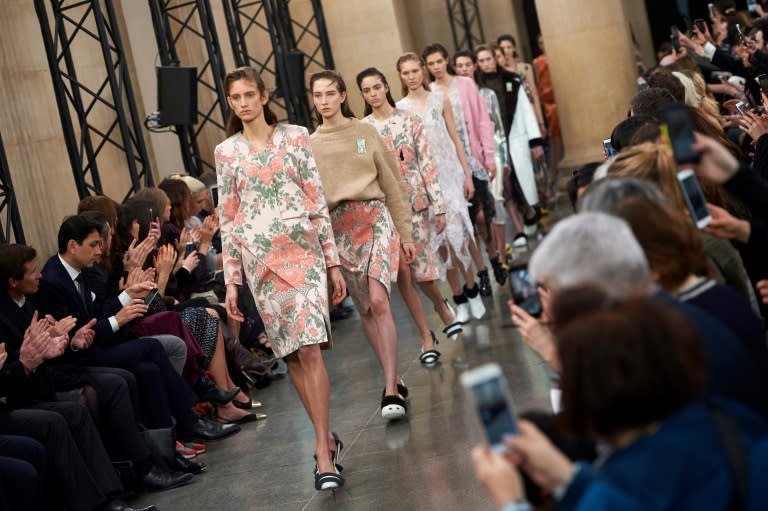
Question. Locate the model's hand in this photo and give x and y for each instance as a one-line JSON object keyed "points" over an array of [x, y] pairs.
{"points": [[469, 188], [541, 460], [230, 303], [498, 475], [336, 279], [409, 252], [132, 310], [491, 169], [3, 354], [537, 152], [762, 288], [536, 335], [440, 223]]}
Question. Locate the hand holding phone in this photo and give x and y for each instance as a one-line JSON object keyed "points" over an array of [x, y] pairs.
{"points": [[488, 390], [608, 148], [525, 292], [151, 297]]}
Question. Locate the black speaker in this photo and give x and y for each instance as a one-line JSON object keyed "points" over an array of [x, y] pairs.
{"points": [[177, 95]]}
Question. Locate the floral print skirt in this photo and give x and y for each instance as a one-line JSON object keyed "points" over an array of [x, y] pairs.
{"points": [[369, 247], [425, 267]]}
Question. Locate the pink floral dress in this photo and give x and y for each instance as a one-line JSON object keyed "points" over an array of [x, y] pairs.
{"points": [[403, 133], [276, 232]]}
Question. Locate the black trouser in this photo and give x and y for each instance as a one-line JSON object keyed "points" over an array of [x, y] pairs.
{"points": [[163, 393], [80, 473], [22, 471]]}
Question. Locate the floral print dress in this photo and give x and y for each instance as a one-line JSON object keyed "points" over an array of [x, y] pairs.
{"points": [[276, 233], [458, 226], [403, 133]]}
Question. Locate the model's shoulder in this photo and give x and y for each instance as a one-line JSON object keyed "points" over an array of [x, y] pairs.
{"points": [[293, 130], [365, 127], [228, 144]]}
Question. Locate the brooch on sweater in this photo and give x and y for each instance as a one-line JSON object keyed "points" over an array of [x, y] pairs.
{"points": [[360, 145]]}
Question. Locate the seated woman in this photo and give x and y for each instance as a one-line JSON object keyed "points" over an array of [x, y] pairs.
{"points": [[633, 375]]}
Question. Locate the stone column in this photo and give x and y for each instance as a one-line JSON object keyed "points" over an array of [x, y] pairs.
{"points": [[589, 48]]}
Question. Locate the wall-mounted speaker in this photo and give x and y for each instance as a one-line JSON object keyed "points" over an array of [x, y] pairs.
{"points": [[177, 95]]}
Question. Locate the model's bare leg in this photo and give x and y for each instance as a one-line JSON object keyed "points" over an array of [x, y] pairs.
{"points": [[380, 329], [413, 302], [310, 378]]}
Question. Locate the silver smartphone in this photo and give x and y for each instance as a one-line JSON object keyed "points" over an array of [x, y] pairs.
{"points": [[694, 197], [488, 390]]}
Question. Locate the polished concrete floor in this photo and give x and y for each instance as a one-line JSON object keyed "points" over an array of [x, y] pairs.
{"points": [[421, 463]]}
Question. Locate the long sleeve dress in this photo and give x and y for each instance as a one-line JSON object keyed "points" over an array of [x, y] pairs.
{"points": [[403, 133], [276, 233], [458, 226]]}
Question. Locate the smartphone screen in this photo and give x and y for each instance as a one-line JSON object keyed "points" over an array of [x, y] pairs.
{"points": [[675, 36], [694, 197], [712, 11], [525, 293], [188, 248], [741, 107], [678, 130], [487, 387]]}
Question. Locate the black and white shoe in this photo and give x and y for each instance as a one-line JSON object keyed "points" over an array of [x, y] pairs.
{"points": [[430, 356], [485, 283], [452, 330], [393, 407], [327, 480]]}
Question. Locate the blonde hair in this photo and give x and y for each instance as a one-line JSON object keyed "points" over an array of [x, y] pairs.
{"points": [[407, 57], [654, 162], [691, 97]]}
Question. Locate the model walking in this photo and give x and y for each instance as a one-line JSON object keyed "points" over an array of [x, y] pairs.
{"points": [[455, 178], [476, 133], [276, 233], [403, 132], [363, 188]]}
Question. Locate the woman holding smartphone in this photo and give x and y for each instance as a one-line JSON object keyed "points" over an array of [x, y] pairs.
{"points": [[403, 132], [436, 113], [363, 188], [276, 233]]}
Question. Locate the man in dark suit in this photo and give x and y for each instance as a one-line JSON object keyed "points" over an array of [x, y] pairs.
{"points": [[63, 292], [19, 319], [80, 473]]}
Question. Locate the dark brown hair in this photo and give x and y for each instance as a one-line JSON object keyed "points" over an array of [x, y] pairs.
{"points": [[13, 257], [341, 86], [179, 194], [624, 364], [669, 239], [366, 73], [410, 56], [437, 48], [108, 208], [234, 124]]}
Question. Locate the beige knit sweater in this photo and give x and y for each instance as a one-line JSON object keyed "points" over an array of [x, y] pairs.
{"points": [[355, 164]]}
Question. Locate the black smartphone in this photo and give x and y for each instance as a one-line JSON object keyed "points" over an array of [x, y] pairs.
{"points": [[678, 131], [151, 296], [188, 248], [700, 25], [742, 35], [674, 34], [214, 189], [762, 80], [608, 148], [489, 392], [688, 25], [741, 107], [525, 292], [712, 11]]}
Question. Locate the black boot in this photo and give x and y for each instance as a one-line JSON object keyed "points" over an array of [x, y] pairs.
{"points": [[499, 273], [206, 390], [163, 473], [485, 282]]}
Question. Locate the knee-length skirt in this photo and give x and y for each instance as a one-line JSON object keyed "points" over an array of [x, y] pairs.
{"points": [[369, 247], [425, 267]]}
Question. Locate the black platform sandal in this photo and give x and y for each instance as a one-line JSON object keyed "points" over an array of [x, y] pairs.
{"points": [[327, 480]]}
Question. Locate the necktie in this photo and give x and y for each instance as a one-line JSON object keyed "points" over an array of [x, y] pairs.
{"points": [[83, 292]]}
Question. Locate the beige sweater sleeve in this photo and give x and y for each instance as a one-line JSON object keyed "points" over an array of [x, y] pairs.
{"points": [[394, 188]]}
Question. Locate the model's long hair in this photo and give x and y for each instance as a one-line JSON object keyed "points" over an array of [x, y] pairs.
{"points": [[234, 124], [341, 86], [437, 48], [407, 57], [368, 72]]}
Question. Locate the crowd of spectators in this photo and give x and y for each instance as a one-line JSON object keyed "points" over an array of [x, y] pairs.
{"points": [[116, 359], [654, 328]]}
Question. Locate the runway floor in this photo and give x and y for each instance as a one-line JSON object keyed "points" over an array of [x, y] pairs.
{"points": [[421, 463]]}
